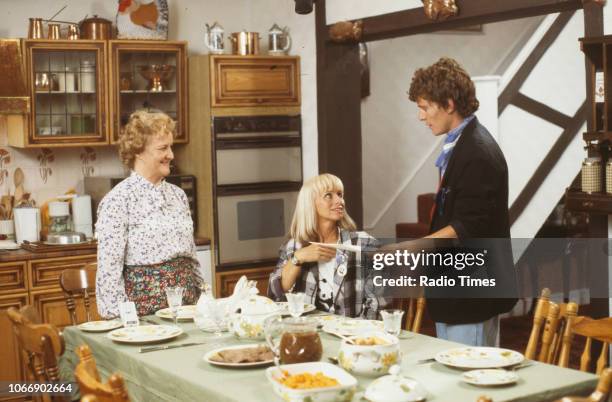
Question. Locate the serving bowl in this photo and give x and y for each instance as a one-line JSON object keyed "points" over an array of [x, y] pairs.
{"points": [[369, 360], [157, 75], [344, 391]]}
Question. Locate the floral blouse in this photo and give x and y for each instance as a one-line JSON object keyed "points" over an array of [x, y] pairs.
{"points": [[139, 223]]}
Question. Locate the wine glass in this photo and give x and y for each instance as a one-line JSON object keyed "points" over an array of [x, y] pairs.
{"points": [[295, 304], [175, 301]]}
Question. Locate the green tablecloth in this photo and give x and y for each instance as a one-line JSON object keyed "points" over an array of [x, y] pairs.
{"points": [[182, 375]]}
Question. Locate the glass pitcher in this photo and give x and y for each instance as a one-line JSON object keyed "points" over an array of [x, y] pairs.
{"points": [[293, 340]]}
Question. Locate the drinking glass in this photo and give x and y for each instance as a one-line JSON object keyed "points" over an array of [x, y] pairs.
{"points": [[295, 304], [175, 301], [392, 321], [215, 310]]}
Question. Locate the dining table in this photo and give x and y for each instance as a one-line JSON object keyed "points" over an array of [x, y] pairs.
{"points": [[181, 374]]}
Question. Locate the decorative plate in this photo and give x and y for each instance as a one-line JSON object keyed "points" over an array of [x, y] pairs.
{"points": [[479, 357], [99, 326], [145, 333], [490, 377], [185, 313], [350, 326]]}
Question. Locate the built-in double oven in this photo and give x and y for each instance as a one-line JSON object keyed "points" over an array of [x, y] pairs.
{"points": [[257, 173]]}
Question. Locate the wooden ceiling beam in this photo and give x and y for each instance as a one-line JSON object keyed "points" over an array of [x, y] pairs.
{"points": [[471, 12]]}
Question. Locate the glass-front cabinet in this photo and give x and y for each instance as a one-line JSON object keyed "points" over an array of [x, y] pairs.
{"points": [[83, 92], [148, 75], [67, 82]]}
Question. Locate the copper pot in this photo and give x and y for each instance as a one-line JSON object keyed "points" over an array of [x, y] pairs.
{"points": [[245, 43], [96, 28]]}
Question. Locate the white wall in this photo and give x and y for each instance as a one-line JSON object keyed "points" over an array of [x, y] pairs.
{"points": [[342, 10], [397, 148], [187, 18]]}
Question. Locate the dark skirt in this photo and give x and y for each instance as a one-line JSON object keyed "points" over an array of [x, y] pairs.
{"points": [[145, 284]]}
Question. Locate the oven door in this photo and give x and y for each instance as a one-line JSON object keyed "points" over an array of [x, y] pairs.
{"points": [[259, 165], [254, 226]]}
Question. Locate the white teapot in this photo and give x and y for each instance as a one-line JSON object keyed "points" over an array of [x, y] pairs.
{"points": [[213, 39], [248, 323]]}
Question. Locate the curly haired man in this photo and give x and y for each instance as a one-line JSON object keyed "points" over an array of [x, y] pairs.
{"points": [[471, 202]]}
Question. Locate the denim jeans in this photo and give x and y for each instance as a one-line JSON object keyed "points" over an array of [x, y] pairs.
{"points": [[484, 333]]}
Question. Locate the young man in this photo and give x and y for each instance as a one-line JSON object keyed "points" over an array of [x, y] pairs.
{"points": [[471, 202]]}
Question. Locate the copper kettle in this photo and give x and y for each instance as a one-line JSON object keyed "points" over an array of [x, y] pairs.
{"points": [[96, 28]]}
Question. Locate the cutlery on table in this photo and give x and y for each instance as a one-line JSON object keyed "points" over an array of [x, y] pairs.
{"points": [[149, 321], [520, 366], [343, 337], [423, 361], [166, 347]]}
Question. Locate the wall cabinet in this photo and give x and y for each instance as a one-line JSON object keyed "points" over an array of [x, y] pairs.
{"points": [[82, 92], [34, 282], [254, 81]]}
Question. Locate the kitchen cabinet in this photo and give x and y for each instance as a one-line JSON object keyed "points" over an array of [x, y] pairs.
{"points": [[82, 92], [248, 93], [254, 81], [226, 280], [34, 280], [148, 74]]}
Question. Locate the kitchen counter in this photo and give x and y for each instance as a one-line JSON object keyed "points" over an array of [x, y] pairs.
{"points": [[24, 255]]}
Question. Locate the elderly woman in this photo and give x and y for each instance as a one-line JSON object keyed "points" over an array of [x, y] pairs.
{"points": [[333, 280], [144, 227]]}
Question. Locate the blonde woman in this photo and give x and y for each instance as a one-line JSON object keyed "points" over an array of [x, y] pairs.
{"points": [[333, 280], [144, 226]]}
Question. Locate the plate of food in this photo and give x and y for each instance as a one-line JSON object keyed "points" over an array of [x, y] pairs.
{"points": [[312, 381], [285, 308], [479, 357], [145, 333], [490, 377], [185, 313], [351, 326], [99, 326], [251, 355]]}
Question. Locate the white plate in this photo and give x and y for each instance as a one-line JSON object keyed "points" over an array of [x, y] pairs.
{"points": [[285, 308], [9, 245], [344, 247], [185, 313], [479, 357], [145, 333], [208, 355], [208, 325], [490, 377], [99, 326], [351, 326]]}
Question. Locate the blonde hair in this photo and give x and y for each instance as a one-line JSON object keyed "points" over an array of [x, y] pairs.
{"points": [[141, 127], [304, 223]]}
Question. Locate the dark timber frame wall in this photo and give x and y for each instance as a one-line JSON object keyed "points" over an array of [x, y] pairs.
{"points": [[338, 88]]}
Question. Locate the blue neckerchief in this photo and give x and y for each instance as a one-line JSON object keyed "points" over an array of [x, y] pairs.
{"points": [[449, 144]]}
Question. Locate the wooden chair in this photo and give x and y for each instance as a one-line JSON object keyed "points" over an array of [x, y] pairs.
{"points": [[555, 323], [599, 330], [602, 392], [41, 344], [88, 378], [79, 281], [414, 309]]}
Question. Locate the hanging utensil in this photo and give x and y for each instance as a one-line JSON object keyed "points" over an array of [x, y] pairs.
{"points": [[18, 179]]}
